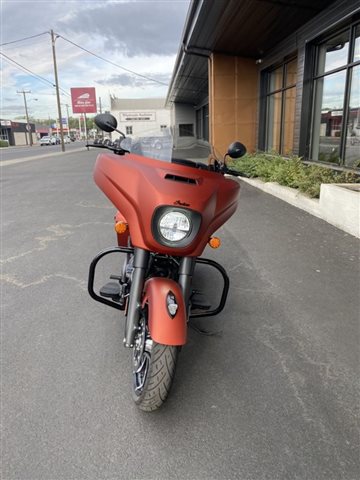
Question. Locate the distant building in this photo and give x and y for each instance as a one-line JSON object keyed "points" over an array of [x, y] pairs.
{"points": [[141, 115], [17, 133]]}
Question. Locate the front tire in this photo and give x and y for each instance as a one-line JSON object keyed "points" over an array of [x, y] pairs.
{"points": [[154, 367]]}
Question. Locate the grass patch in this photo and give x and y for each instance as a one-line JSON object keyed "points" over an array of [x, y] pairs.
{"points": [[291, 172], [3, 143]]}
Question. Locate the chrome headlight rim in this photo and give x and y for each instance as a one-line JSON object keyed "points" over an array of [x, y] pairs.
{"points": [[194, 219]]}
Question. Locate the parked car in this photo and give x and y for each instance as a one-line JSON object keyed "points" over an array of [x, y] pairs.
{"points": [[56, 139], [47, 140]]}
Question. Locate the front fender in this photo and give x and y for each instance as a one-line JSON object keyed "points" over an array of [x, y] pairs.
{"points": [[163, 328]]}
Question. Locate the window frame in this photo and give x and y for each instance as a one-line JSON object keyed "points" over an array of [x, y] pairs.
{"points": [[266, 92], [309, 97]]}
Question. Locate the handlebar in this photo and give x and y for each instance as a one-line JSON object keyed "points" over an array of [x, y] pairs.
{"points": [[118, 151], [217, 167], [229, 171]]}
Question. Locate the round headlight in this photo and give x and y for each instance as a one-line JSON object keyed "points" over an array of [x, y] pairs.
{"points": [[174, 226]]}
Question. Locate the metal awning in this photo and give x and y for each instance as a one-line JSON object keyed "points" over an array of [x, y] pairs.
{"points": [[247, 28]]}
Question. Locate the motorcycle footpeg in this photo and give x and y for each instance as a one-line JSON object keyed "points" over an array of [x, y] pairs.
{"points": [[199, 301], [111, 290]]}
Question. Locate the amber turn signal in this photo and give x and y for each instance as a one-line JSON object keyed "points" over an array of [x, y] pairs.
{"points": [[121, 227], [214, 242]]}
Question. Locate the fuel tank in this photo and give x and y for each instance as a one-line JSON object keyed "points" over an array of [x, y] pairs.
{"points": [[138, 185]]}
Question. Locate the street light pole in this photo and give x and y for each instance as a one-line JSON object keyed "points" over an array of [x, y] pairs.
{"points": [[67, 116], [28, 126], [57, 90]]}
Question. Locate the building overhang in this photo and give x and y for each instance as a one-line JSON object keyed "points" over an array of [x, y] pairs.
{"points": [[246, 28]]}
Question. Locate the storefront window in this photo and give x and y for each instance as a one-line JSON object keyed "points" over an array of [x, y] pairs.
{"points": [[336, 100], [333, 53], [280, 108], [289, 121], [274, 122], [352, 151], [357, 45], [329, 101]]}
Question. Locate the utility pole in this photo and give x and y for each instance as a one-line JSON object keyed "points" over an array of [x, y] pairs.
{"points": [[28, 126], [53, 39]]}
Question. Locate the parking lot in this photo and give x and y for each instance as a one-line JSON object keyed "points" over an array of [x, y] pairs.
{"points": [[274, 396]]}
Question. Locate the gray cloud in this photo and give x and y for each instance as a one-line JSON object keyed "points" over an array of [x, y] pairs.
{"points": [[127, 80], [134, 28]]}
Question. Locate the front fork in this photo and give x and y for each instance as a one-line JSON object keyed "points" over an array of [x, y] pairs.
{"points": [[141, 260]]}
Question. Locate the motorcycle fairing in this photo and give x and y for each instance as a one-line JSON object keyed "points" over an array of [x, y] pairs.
{"points": [[138, 185], [164, 328]]}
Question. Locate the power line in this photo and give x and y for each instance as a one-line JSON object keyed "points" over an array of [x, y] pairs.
{"points": [[111, 63], [27, 70], [31, 73], [22, 39]]}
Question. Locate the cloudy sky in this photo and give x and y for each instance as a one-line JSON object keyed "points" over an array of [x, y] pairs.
{"points": [[142, 36]]}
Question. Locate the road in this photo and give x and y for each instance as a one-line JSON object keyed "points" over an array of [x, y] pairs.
{"points": [[275, 396], [24, 152]]}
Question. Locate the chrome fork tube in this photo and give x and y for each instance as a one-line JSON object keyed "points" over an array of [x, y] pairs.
{"points": [[141, 259]]}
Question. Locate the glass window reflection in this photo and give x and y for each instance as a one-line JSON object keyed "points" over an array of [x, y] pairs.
{"points": [[357, 44], [276, 79], [328, 117], [274, 122], [289, 121], [352, 152], [291, 73], [333, 53]]}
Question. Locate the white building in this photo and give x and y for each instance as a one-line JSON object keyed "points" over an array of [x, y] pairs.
{"points": [[141, 116]]}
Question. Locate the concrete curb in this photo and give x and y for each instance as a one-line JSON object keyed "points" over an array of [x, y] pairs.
{"points": [[38, 157], [322, 208]]}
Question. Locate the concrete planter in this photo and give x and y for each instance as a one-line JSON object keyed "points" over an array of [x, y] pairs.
{"points": [[339, 204]]}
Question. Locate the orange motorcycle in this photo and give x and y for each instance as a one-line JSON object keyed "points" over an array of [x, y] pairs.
{"points": [[168, 210]]}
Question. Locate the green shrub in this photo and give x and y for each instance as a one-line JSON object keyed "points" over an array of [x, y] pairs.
{"points": [[292, 172], [4, 143]]}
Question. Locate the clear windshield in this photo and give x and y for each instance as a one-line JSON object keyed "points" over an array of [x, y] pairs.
{"points": [[160, 145], [149, 143]]}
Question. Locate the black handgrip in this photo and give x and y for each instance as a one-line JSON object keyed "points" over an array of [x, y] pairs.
{"points": [[118, 151], [97, 145]]}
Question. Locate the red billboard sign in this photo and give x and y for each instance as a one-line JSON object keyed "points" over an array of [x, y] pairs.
{"points": [[83, 100]]}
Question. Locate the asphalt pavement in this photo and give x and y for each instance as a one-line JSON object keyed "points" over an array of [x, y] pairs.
{"points": [[275, 395]]}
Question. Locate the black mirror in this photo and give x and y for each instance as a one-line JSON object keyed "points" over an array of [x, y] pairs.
{"points": [[106, 122], [236, 150]]}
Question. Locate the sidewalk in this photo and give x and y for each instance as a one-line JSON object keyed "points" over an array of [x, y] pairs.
{"points": [[338, 205]]}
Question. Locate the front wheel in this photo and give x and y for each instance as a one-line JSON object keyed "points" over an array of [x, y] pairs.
{"points": [[153, 370]]}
